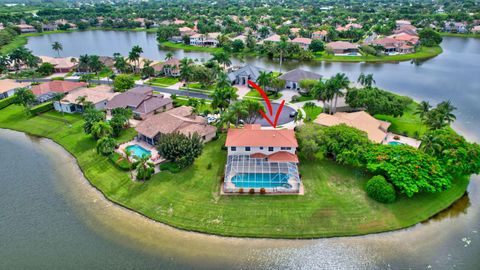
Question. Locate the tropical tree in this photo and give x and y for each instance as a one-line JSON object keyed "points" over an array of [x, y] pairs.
{"points": [[366, 80], [221, 98], [123, 82], [441, 116], [120, 64], [90, 117], [134, 56], [101, 129], [237, 112], [95, 65], [264, 79], [186, 70], [20, 56], [252, 108], [339, 82], [223, 81], [4, 63], [25, 98], [168, 56], [83, 63], [144, 168], [223, 58], [277, 84], [106, 146], [422, 109], [282, 47], [179, 148], [57, 47], [128, 156]]}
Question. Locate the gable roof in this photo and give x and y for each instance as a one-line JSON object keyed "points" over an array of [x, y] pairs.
{"points": [[375, 129], [341, 45], [95, 94], [253, 135], [249, 70], [302, 40], [7, 85], [299, 74], [141, 98], [179, 119], [57, 87]]}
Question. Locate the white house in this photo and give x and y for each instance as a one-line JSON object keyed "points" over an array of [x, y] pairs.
{"points": [[98, 96], [210, 39], [261, 159]]}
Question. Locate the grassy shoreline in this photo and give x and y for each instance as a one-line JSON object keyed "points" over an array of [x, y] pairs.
{"points": [[421, 53], [469, 35], [334, 203]]}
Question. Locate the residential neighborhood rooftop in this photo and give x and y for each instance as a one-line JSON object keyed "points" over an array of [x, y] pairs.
{"points": [[254, 135]]}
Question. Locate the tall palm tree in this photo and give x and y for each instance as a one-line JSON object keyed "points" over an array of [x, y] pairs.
{"points": [[143, 165], [422, 109], [223, 81], [339, 82], [282, 48], [4, 63], [168, 56], [19, 56], [186, 70], [128, 155], [134, 56], [431, 144], [57, 46], [101, 129], [95, 65], [221, 98], [83, 63], [366, 80], [319, 92], [264, 79], [237, 111], [446, 109]]}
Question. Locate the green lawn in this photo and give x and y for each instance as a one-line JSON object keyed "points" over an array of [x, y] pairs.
{"points": [[334, 203], [421, 53], [17, 42], [190, 47], [163, 81], [312, 112], [408, 124], [271, 95], [197, 87], [301, 98], [467, 35]]}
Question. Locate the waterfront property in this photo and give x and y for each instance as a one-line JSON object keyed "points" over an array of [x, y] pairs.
{"points": [[293, 77], [262, 160], [8, 87], [342, 48], [209, 39], [170, 68], [393, 46], [142, 100], [304, 43], [244, 74], [322, 35], [47, 90], [98, 96], [61, 65], [181, 119]]}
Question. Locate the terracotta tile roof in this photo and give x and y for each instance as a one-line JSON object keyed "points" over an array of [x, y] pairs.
{"points": [[258, 155], [274, 38], [282, 156], [57, 87], [63, 63], [95, 94], [253, 135], [7, 85], [341, 45], [375, 129], [302, 40]]}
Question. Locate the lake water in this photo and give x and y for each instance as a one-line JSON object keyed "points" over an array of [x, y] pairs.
{"points": [[51, 218]]}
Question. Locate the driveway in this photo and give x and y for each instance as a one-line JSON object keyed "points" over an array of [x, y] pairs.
{"points": [[283, 119]]}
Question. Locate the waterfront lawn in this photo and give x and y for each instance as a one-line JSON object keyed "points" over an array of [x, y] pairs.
{"points": [[271, 95], [312, 112], [421, 53], [334, 203], [408, 124], [163, 81], [169, 44]]}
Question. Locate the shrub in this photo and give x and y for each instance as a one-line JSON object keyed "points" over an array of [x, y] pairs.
{"points": [[209, 166], [6, 102], [251, 191], [170, 166], [180, 148], [58, 79], [295, 98], [145, 174], [44, 107], [119, 161], [380, 190], [263, 191], [240, 190]]}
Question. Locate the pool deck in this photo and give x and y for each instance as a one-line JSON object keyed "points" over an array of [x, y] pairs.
{"points": [[155, 158], [403, 139]]}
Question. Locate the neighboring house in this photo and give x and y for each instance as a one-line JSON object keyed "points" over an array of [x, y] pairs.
{"points": [[406, 29], [61, 65], [476, 29], [186, 31], [376, 129], [181, 120], [47, 90], [261, 158], [26, 28], [242, 75], [349, 27], [455, 27], [293, 77], [98, 96], [178, 22], [170, 68], [273, 39], [322, 35], [295, 31], [393, 46], [304, 43], [107, 61], [8, 87], [141, 21], [143, 102], [343, 48], [210, 39], [242, 38], [49, 27], [400, 23], [411, 39]]}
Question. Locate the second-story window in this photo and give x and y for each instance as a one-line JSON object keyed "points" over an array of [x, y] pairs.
{"points": [[270, 149], [233, 148], [247, 148]]}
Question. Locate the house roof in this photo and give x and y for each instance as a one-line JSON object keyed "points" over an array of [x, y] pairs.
{"points": [[7, 85], [253, 135], [302, 40], [375, 129], [282, 156], [273, 38], [141, 98], [174, 63], [179, 119], [64, 63], [95, 94], [249, 70], [321, 32], [299, 74], [57, 87], [405, 37], [341, 45]]}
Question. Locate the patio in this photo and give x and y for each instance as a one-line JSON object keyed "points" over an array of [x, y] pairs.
{"points": [[393, 138]]}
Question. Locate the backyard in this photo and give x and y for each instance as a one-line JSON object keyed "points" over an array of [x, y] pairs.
{"points": [[334, 203]]}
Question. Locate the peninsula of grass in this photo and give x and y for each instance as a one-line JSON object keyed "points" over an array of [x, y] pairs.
{"points": [[334, 204], [421, 53], [460, 35], [185, 47]]}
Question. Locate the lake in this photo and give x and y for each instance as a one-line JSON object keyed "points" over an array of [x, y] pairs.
{"points": [[52, 218]]}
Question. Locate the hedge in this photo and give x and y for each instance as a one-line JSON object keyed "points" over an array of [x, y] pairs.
{"points": [[6, 102], [380, 190], [170, 166], [119, 161], [44, 107]]}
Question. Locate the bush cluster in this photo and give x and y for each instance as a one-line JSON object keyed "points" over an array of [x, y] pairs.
{"points": [[380, 190], [170, 166], [44, 107], [7, 102]]}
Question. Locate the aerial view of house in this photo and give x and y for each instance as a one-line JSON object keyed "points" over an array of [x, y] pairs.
{"points": [[75, 100], [242, 75], [47, 90], [8, 87], [293, 77]]}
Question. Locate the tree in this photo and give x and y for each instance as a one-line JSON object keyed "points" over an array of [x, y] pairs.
{"points": [[380, 190], [58, 97], [144, 168], [4, 63], [429, 38], [377, 101], [237, 45], [101, 129], [90, 117], [307, 84], [123, 82], [164, 32], [317, 46], [120, 64], [20, 56], [277, 84], [186, 70], [221, 98], [222, 58], [95, 65], [441, 116], [252, 108], [148, 70], [366, 80], [57, 47], [320, 93], [128, 156], [223, 81], [25, 98], [46, 69], [134, 56], [168, 56], [264, 79], [179, 148], [336, 84], [83, 63], [422, 109], [281, 47], [106, 146], [237, 111]]}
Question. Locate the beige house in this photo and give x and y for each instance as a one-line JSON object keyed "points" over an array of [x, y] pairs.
{"points": [[8, 87], [61, 65], [98, 96], [181, 119], [322, 35], [304, 43], [376, 129], [343, 48]]}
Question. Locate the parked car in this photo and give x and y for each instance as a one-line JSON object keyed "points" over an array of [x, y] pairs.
{"points": [[293, 114], [211, 119]]}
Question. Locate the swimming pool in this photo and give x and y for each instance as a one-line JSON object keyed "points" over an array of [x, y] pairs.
{"points": [[395, 143], [261, 180], [138, 151]]}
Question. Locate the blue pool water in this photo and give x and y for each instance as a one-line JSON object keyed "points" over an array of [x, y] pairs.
{"points": [[395, 143], [138, 151], [260, 180]]}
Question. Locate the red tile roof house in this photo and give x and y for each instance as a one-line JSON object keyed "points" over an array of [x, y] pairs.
{"points": [[261, 158], [322, 35], [46, 91], [181, 119], [8, 87], [304, 43], [343, 48], [143, 102], [393, 46]]}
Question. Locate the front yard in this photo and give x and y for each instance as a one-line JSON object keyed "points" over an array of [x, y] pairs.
{"points": [[334, 203]]}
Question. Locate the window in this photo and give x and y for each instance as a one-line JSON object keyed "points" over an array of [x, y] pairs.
{"points": [[285, 148], [247, 148], [233, 148], [270, 149], [261, 147]]}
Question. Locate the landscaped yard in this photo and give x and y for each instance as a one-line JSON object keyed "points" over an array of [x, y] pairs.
{"points": [[334, 203], [163, 81], [197, 87], [312, 112], [190, 47], [271, 95], [408, 124]]}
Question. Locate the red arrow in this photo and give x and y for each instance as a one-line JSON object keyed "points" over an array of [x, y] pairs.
{"points": [[265, 97], [269, 105]]}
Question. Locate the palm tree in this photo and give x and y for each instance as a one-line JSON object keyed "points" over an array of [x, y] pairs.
{"points": [[4, 63], [57, 46], [168, 56], [319, 92], [446, 109], [223, 81], [120, 63], [237, 111], [221, 98], [282, 48], [339, 82], [143, 165], [19, 56], [222, 58], [83, 63], [264, 79], [101, 129], [431, 144], [128, 155], [186, 70], [422, 109], [134, 56], [95, 65]]}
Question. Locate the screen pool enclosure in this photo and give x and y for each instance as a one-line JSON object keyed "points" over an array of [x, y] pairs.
{"points": [[245, 172]]}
